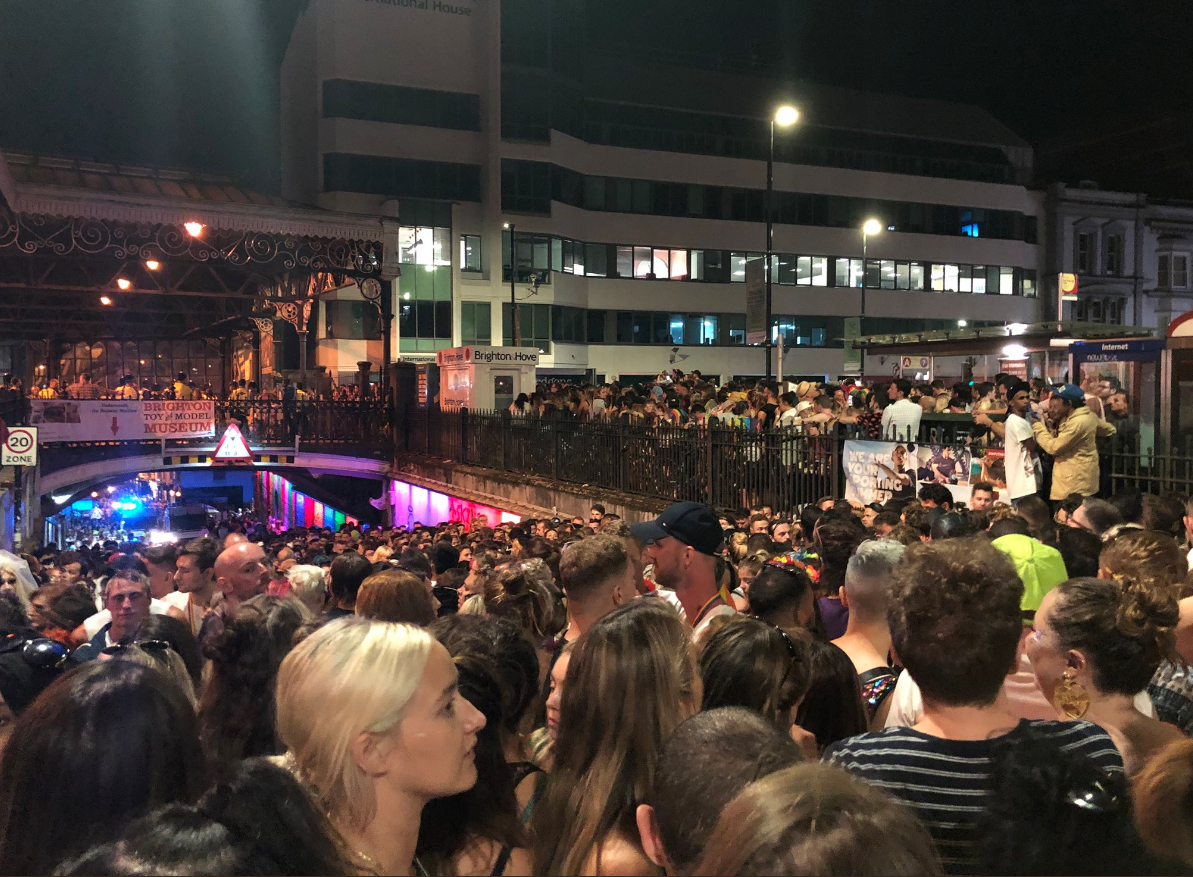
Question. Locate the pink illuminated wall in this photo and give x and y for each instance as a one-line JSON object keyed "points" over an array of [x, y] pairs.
{"points": [[418, 504]]}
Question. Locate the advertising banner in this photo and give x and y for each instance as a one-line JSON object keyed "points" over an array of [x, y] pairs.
{"points": [[756, 328], [77, 420], [880, 471]]}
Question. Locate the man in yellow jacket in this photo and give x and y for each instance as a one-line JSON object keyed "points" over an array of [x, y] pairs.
{"points": [[1070, 435]]}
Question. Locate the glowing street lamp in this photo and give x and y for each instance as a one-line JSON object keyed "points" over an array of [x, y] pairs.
{"points": [[785, 116], [194, 229]]}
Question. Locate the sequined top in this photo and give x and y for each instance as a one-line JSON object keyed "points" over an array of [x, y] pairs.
{"points": [[877, 684]]}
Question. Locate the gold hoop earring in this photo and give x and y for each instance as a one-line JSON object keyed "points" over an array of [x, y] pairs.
{"points": [[1071, 697]]}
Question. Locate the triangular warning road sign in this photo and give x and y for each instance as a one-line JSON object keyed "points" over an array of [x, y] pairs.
{"points": [[232, 447]]}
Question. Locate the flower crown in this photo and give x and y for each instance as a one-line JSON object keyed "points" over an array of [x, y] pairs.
{"points": [[798, 560]]}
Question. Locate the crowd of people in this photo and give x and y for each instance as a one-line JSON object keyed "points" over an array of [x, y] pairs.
{"points": [[183, 387], [918, 688]]}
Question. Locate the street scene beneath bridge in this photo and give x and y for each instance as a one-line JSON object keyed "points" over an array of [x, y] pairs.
{"points": [[548, 437]]}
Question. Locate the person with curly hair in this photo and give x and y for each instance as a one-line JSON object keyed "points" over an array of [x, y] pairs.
{"points": [[956, 624], [236, 707]]}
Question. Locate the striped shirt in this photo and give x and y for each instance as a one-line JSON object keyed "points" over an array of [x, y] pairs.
{"points": [[946, 781]]}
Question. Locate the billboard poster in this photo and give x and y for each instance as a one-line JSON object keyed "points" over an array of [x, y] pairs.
{"points": [[881, 471], [114, 420]]}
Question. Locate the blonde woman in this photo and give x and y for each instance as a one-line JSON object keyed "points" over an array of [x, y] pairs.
{"points": [[16, 578], [374, 723], [631, 680]]}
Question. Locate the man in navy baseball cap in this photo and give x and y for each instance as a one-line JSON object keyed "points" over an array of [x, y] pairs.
{"points": [[682, 543]]}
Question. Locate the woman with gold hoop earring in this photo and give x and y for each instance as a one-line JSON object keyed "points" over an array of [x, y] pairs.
{"points": [[1095, 645]]}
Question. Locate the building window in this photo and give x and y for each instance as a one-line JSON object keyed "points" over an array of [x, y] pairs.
{"points": [[1114, 255], [401, 177], [1084, 252], [470, 252], [352, 321], [535, 325], [475, 322], [1172, 271], [375, 102]]}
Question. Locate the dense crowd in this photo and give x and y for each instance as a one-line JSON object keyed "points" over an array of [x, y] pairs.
{"points": [[183, 387], [915, 688]]}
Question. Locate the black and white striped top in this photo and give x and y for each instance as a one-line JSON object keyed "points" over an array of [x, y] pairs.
{"points": [[946, 781]]}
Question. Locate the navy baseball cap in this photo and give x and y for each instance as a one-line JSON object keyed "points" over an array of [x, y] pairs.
{"points": [[692, 523], [1071, 393]]}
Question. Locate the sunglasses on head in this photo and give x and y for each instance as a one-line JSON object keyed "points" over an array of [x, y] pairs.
{"points": [[44, 654], [145, 645]]}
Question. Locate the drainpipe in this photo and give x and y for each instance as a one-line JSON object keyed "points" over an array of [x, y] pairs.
{"points": [[1137, 309]]}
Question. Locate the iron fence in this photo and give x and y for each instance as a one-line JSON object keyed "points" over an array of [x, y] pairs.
{"points": [[723, 467], [727, 468]]}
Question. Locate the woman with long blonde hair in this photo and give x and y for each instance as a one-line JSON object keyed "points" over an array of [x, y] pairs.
{"points": [[631, 680], [375, 725]]}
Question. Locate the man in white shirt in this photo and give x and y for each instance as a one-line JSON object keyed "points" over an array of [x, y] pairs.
{"points": [[1020, 460], [682, 543], [901, 418]]}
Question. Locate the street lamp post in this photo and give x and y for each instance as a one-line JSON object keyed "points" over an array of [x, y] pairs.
{"points": [[517, 330], [869, 227], [785, 116]]}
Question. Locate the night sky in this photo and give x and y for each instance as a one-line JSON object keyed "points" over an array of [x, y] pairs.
{"points": [[194, 83]]}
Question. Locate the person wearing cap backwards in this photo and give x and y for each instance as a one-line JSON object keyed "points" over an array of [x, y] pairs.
{"points": [[682, 543], [1070, 436]]}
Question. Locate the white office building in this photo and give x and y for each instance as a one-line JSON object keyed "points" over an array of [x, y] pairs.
{"points": [[637, 193]]}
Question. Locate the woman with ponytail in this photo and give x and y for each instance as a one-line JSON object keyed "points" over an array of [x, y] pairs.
{"points": [[1096, 644]]}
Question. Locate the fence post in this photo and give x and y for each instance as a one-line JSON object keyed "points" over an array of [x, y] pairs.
{"points": [[622, 453], [835, 457], [707, 438], [555, 448], [503, 428], [463, 435]]}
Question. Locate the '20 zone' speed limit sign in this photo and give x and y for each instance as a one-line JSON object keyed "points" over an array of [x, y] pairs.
{"points": [[20, 448]]}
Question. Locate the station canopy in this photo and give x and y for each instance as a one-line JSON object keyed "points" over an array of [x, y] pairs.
{"points": [[97, 250]]}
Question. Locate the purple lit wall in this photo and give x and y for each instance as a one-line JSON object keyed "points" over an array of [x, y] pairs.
{"points": [[418, 504]]}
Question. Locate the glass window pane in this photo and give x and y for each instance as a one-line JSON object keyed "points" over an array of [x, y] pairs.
{"points": [[625, 261], [1006, 280], [642, 266], [842, 272], [737, 267], [660, 267], [695, 200], [950, 278], [964, 279], [679, 264], [577, 257], [641, 327], [596, 259], [820, 271], [803, 271], [938, 278], [888, 274], [407, 237], [786, 272], [917, 275], [443, 253], [737, 329], [903, 276], [708, 334], [675, 329], [855, 273], [697, 264], [873, 274]]}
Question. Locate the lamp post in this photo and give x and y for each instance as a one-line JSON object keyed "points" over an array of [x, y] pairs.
{"points": [[517, 329], [785, 116], [869, 227]]}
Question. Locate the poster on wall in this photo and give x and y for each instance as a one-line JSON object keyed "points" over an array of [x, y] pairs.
{"points": [[76, 420], [882, 471]]}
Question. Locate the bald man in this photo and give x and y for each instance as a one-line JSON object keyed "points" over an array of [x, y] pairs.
{"points": [[241, 574], [235, 539]]}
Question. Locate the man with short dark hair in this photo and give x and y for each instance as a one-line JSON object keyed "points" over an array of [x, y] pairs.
{"points": [[194, 576], [901, 418], [703, 765], [348, 570], [1019, 444], [1095, 515], [982, 495], [936, 496]]}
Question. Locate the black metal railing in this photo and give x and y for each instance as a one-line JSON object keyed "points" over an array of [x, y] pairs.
{"points": [[727, 468], [273, 422], [723, 467]]}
